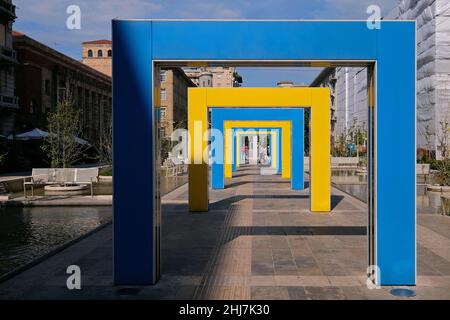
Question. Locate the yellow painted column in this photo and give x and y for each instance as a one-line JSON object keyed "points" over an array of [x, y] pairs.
{"points": [[320, 151], [316, 98], [198, 167]]}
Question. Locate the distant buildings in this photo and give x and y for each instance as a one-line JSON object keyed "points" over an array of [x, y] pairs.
{"points": [[327, 78], [289, 84], [219, 77], [97, 54], [9, 103], [349, 105], [44, 76], [173, 99], [433, 67], [433, 76]]}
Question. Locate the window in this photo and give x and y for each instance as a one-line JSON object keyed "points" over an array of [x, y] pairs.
{"points": [[32, 106], [3, 35], [90, 53], [47, 87], [163, 94], [162, 76], [109, 53], [163, 111], [99, 53]]}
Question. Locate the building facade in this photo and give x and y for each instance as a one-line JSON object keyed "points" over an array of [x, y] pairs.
{"points": [[174, 86], [8, 100], [219, 77], [97, 54], [44, 76], [327, 78], [433, 68], [349, 102]]}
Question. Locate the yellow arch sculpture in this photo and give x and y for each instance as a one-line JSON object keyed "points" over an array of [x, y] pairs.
{"points": [[317, 99]]}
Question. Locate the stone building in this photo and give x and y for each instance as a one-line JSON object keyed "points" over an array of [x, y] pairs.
{"points": [[97, 54], [173, 99], [327, 78], [8, 100], [44, 76], [433, 69], [219, 77]]}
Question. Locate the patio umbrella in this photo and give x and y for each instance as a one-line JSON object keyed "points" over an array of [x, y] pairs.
{"points": [[37, 133], [30, 135]]}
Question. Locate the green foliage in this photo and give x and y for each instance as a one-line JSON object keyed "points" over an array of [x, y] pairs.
{"points": [[63, 126], [340, 146], [348, 143], [106, 172], [166, 147], [357, 134], [443, 172]]}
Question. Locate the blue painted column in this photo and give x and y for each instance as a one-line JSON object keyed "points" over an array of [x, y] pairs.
{"points": [[396, 179], [135, 210]]}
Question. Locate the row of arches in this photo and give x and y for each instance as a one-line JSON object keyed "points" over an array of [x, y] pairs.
{"points": [[99, 53]]}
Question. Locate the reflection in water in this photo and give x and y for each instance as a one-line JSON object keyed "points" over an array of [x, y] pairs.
{"points": [[27, 233], [354, 182], [427, 201], [169, 184]]}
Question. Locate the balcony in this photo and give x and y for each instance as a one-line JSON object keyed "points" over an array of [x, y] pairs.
{"points": [[7, 55], [7, 11], [9, 102]]}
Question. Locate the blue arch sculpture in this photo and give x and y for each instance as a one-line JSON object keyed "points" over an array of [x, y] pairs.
{"points": [[140, 46], [295, 115]]}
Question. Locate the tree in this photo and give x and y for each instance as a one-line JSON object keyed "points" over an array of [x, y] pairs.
{"points": [[63, 127], [443, 166], [443, 138], [357, 134], [105, 142], [339, 149], [428, 138]]}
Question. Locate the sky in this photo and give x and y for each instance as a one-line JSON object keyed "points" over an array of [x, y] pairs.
{"points": [[45, 21]]}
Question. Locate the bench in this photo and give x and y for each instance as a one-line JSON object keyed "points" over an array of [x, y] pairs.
{"points": [[174, 167], [344, 162], [445, 204], [48, 176], [339, 162], [423, 169]]}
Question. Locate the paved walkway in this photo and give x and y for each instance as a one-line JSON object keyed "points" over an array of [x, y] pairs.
{"points": [[259, 241]]}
